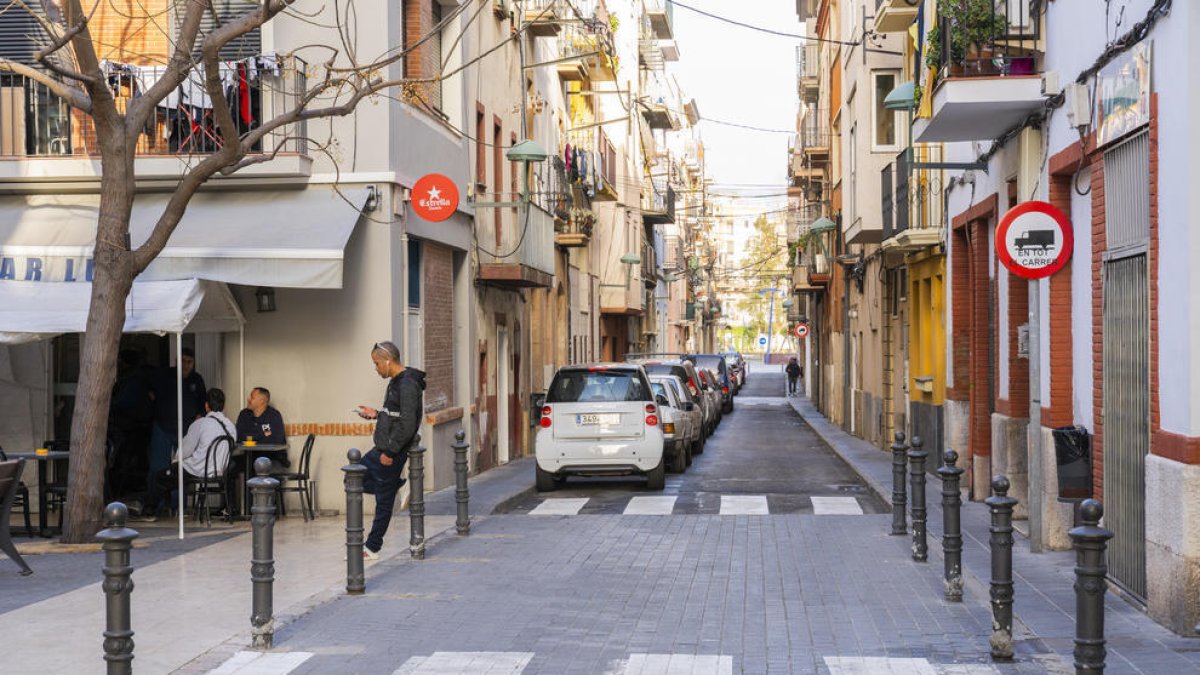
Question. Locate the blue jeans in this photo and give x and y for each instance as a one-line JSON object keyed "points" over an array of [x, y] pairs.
{"points": [[383, 482], [162, 444]]}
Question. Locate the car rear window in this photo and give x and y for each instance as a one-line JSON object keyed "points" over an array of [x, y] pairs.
{"points": [[660, 390], [582, 386], [666, 369]]}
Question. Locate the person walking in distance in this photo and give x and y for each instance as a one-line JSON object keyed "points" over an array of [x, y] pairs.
{"points": [[396, 426], [793, 374]]}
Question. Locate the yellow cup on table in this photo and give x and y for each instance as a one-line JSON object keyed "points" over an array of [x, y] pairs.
{"points": [[250, 442], [42, 451]]}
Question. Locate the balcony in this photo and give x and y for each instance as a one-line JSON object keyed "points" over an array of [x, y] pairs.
{"points": [[660, 13], [814, 136], [544, 18], [576, 230], [989, 74], [808, 70], [650, 54], [588, 50], [895, 16], [659, 115], [649, 266], [519, 261], [37, 125], [898, 209], [658, 203]]}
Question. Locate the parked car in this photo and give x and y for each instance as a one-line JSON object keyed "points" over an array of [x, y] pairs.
{"points": [[599, 420], [708, 383], [716, 363], [687, 373], [735, 372], [676, 427], [736, 359], [687, 413]]}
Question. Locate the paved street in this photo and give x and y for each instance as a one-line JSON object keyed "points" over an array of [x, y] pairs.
{"points": [[603, 589]]}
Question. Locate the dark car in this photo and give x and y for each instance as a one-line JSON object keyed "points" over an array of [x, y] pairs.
{"points": [[716, 363]]}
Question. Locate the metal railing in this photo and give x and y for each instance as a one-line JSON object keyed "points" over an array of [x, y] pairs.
{"points": [[1000, 38], [36, 123], [814, 130]]}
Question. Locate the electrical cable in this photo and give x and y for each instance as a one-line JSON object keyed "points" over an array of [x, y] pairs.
{"points": [[769, 31]]}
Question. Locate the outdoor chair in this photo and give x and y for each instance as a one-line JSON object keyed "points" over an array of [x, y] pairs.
{"points": [[10, 479], [21, 499], [300, 479], [212, 483], [56, 489]]}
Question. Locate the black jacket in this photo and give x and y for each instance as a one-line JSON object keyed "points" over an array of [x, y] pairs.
{"points": [[793, 369], [400, 417]]}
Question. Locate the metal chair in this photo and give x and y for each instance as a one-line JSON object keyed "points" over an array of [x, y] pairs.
{"points": [[10, 479], [300, 477], [21, 498], [213, 482]]}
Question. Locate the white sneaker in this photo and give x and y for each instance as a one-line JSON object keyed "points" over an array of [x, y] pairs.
{"points": [[368, 554]]}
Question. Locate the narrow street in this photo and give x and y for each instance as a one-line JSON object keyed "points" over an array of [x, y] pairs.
{"points": [[609, 590]]}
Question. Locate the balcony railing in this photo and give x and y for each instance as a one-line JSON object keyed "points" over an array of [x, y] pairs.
{"points": [[661, 17], [36, 123], [814, 131], [894, 182], [1002, 38]]}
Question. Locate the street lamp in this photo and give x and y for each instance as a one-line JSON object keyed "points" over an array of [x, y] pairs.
{"points": [[629, 260]]}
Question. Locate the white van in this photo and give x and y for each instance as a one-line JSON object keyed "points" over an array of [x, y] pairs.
{"points": [[599, 420]]}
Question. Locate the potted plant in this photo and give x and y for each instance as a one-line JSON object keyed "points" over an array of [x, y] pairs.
{"points": [[972, 27]]}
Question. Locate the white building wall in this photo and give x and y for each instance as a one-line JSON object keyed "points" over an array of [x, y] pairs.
{"points": [[1081, 304]]}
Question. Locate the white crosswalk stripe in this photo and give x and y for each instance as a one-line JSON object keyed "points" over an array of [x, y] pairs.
{"points": [[566, 506], [466, 663], [885, 665], [744, 505], [675, 664], [650, 506], [838, 506], [260, 663]]}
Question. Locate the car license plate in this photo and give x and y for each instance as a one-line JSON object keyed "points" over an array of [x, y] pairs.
{"points": [[592, 420]]}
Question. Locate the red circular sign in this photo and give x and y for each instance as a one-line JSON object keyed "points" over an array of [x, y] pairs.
{"points": [[435, 197], [801, 330], [1034, 240]]}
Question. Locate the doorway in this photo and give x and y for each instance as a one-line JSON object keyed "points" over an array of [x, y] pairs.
{"points": [[503, 395]]}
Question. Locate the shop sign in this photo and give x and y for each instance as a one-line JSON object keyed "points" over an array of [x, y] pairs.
{"points": [[435, 197], [1034, 240], [1123, 94], [801, 330], [35, 268]]}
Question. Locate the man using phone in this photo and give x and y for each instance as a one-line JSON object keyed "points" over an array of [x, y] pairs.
{"points": [[396, 426]]}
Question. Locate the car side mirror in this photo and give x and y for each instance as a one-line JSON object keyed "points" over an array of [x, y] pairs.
{"points": [[688, 406], [662, 400]]}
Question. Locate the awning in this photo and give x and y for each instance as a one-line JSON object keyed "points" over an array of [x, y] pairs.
{"points": [[32, 311], [290, 239]]}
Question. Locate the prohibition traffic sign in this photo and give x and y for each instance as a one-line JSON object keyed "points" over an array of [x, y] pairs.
{"points": [[801, 330], [1034, 240], [434, 197]]}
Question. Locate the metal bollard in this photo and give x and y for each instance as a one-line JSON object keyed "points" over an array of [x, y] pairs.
{"points": [[1001, 506], [118, 584], [917, 455], [416, 503], [899, 462], [355, 473], [952, 526], [1090, 570], [262, 563], [461, 494]]}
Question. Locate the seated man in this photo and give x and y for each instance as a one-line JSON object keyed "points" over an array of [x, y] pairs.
{"points": [[260, 422], [194, 451]]}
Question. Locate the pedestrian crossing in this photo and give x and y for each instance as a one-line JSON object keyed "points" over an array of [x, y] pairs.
{"points": [[674, 504], [515, 663]]}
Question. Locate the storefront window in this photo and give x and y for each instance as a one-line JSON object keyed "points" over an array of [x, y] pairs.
{"points": [[414, 273]]}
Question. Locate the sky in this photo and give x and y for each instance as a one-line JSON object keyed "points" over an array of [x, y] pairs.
{"points": [[743, 76]]}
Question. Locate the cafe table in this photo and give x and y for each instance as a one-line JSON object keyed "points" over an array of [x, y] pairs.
{"points": [[43, 459], [273, 451]]}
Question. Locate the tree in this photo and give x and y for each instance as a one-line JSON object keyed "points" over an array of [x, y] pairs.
{"points": [[71, 70], [765, 255]]}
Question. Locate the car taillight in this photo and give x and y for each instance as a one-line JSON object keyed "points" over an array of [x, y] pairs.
{"points": [[650, 408], [724, 390], [545, 422], [668, 427], [692, 386], [651, 420]]}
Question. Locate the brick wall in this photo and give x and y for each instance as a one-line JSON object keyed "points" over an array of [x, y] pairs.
{"points": [[1060, 409], [439, 326], [130, 31], [1099, 245], [425, 60], [1016, 404]]}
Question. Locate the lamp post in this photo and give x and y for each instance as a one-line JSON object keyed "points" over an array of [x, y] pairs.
{"points": [[770, 320]]}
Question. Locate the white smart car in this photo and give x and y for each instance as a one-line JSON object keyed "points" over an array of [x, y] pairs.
{"points": [[599, 420]]}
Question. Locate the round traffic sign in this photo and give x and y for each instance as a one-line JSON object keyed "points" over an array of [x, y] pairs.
{"points": [[801, 330], [762, 339], [1034, 240], [434, 197]]}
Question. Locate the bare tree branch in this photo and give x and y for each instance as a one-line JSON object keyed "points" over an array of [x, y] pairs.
{"points": [[72, 95], [178, 68], [104, 107]]}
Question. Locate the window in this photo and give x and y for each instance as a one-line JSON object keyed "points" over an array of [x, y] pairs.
{"points": [[480, 161], [852, 163], [424, 61], [581, 386], [886, 122], [414, 273]]}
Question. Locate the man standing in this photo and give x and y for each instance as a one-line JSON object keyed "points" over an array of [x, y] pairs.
{"points": [[165, 428], [793, 374], [397, 423], [260, 421]]}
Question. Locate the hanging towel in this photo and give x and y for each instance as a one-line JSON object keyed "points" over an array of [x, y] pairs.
{"points": [[244, 95]]}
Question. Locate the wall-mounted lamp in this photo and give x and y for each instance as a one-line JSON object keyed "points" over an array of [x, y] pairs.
{"points": [[787, 304], [372, 202], [264, 297], [628, 260]]}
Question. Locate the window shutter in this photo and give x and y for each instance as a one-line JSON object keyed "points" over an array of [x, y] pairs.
{"points": [[21, 34], [242, 47]]}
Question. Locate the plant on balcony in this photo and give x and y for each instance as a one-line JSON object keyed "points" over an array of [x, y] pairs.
{"points": [[972, 26]]}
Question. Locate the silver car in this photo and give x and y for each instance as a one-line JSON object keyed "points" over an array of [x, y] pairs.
{"points": [[682, 437]]}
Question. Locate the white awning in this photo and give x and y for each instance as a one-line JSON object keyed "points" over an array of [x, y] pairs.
{"points": [[31, 311], [290, 239]]}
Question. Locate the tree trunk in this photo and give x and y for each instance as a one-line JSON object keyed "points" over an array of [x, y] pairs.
{"points": [[111, 284]]}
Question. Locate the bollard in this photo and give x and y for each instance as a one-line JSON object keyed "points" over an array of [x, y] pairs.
{"points": [[1001, 506], [262, 563], [118, 584], [353, 480], [952, 526], [899, 518], [1090, 541], [917, 455], [461, 494], [416, 502]]}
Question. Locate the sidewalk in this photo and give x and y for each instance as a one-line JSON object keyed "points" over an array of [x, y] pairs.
{"points": [[197, 601], [1044, 600]]}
